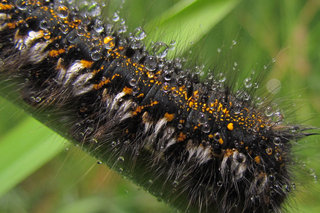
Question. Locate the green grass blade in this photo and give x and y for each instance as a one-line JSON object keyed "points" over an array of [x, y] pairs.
{"points": [[196, 17], [23, 150]]}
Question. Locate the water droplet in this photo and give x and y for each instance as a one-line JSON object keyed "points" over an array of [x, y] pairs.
{"points": [[175, 183], [172, 45], [268, 111], [160, 50], [277, 156], [202, 118], [217, 136], [276, 140], [113, 144], [166, 87], [81, 31], [21, 4], [205, 128], [221, 77], [314, 175], [64, 28], [177, 63], [273, 86], [168, 75], [98, 26], [37, 99], [115, 17], [269, 151], [247, 83], [139, 34], [94, 10], [293, 186], [62, 11], [95, 54], [99, 162], [121, 159], [123, 28], [43, 24], [109, 42], [151, 63], [136, 45], [271, 178], [133, 82]]}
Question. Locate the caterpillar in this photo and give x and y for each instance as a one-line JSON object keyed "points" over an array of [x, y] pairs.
{"points": [[144, 114]]}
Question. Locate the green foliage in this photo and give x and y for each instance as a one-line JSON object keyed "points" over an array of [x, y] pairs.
{"points": [[287, 31]]}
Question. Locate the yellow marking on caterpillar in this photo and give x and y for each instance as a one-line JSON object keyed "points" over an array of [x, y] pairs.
{"points": [[86, 64], [114, 76], [5, 6], [228, 152], [140, 108], [101, 84], [140, 95], [230, 126], [55, 53], [221, 141], [181, 137], [257, 159], [96, 71], [169, 116], [11, 25], [127, 90]]}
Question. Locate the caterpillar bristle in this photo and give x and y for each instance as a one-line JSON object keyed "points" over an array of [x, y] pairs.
{"points": [[198, 145]]}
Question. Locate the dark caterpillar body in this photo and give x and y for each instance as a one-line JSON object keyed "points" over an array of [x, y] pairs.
{"points": [[197, 145]]}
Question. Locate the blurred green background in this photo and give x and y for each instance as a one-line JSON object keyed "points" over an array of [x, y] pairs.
{"points": [[41, 172]]}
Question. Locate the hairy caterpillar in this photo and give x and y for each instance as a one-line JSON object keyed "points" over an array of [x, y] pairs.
{"points": [[75, 82]]}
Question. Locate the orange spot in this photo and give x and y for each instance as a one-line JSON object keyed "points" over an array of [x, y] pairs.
{"points": [[154, 103], [257, 159], [230, 126], [169, 117], [86, 64], [127, 90], [55, 53], [140, 95], [5, 6], [11, 25], [181, 137], [100, 84], [221, 141], [228, 152], [138, 110], [210, 136]]}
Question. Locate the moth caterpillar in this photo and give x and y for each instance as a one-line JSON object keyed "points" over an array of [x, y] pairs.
{"points": [[147, 113]]}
